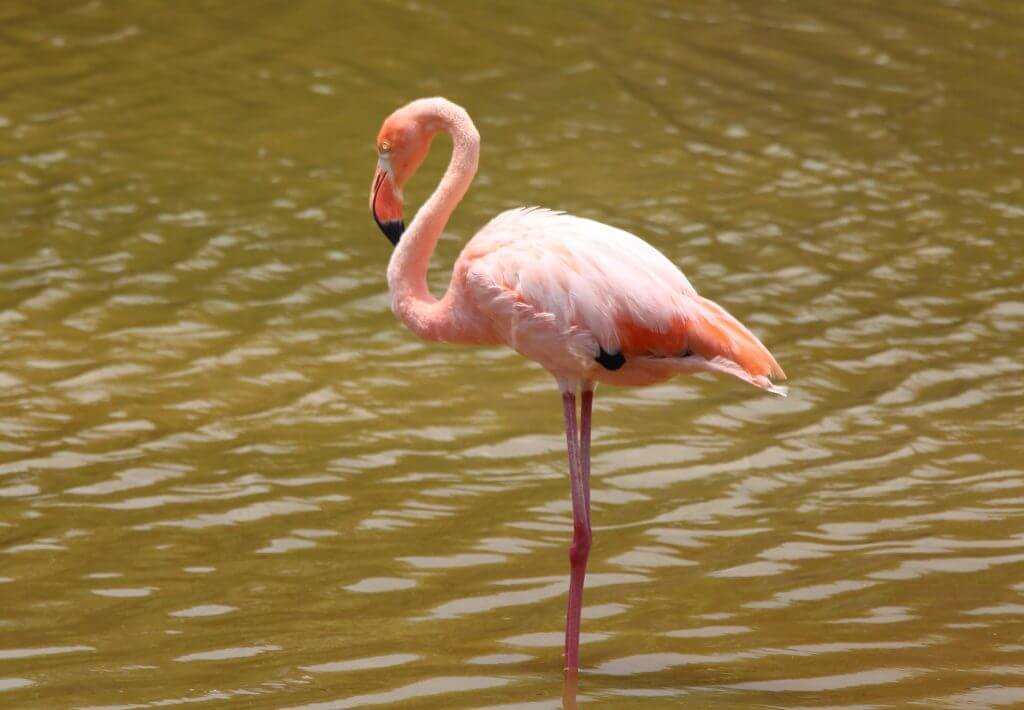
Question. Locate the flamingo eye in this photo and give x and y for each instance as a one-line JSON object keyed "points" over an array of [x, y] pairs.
{"points": [[385, 147]]}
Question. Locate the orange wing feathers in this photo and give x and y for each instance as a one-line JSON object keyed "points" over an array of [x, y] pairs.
{"points": [[716, 333], [707, 330], [641, 339]]}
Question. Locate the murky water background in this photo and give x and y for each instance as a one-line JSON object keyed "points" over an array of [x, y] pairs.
{"points": [[227, 475]]}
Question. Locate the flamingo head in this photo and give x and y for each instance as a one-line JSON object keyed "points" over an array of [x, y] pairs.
{"points": [[402, 144]]}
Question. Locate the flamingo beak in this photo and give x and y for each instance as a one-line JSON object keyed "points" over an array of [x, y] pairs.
{"points": [[386, 203]]}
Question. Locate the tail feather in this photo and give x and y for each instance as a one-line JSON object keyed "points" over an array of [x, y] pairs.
{"points": [[720, 365], [714, 334]]}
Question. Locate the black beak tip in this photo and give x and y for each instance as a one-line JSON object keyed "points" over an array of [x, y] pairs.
{"points": [[393, 230]]}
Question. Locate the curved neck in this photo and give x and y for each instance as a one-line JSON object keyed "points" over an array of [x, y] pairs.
{"points": [[407, 271]]}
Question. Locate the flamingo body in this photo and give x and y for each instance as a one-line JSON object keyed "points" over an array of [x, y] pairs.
{"points": [[562, 290], [589, 302]]}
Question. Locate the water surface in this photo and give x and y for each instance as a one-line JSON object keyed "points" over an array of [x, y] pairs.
{"points": [[228, 476]]}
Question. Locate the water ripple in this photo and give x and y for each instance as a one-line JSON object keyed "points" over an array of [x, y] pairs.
{"points": [[214, 431]]}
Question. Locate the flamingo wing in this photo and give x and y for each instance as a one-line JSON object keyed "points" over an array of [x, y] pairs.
{"points": [[572, 290]]}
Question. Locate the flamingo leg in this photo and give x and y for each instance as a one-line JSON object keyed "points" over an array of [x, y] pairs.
{"points": [[586, 407], [579, 551]]}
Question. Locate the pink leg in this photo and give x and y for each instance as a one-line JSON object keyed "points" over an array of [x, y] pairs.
{"points": [[580, 549], [587, 405]]}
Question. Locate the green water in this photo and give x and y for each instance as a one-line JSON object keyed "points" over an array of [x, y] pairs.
{"points": [[228, 476]]}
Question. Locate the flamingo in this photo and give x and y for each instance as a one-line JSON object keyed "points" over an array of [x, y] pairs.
{"points": [[588, 302]]}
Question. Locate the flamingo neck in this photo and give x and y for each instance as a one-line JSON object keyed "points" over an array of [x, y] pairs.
{"points": [[411, 299]]}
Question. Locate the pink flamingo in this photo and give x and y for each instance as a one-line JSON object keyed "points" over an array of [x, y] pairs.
{"points": [[589, 302]]}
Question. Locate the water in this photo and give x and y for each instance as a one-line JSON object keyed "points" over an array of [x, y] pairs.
{"points": [[228, 476]]}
